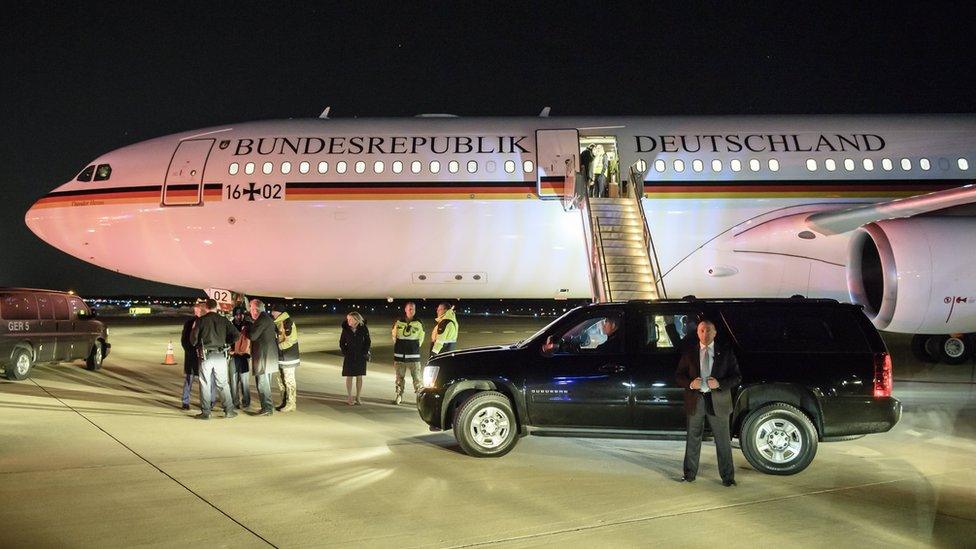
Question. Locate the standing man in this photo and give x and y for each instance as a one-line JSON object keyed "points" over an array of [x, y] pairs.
{"points": [[586, 167], [444, 336], [191, 362], [264, 353], [288, 360], [212, 337], [408, 332], [239, 368], [709, 374]]}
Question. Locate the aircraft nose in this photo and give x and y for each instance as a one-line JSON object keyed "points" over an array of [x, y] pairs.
{"points": [[47, 218]]}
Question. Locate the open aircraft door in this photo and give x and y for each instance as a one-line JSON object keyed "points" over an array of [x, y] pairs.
{"points": [[557, 163], [184, 178]]}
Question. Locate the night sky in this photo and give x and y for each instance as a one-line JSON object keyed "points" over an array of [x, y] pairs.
{"points": [[80, 81]]}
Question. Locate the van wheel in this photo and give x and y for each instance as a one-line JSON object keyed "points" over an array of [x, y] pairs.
{"points": [[20, 364], [920, 349], [955, 350], [778, 439], [94, 360], [485, 425]]}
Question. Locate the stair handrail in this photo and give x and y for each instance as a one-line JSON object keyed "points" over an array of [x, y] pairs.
{"points": [[662, 292], [596, 263]]}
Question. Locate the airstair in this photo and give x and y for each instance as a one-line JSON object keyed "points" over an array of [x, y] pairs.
{"points": [[622, 245], [622, 260]]}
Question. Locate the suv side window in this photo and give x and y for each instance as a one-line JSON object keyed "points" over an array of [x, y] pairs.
{"points": [[667, 332], [78, 308], [60, 307], [18, 307], [602, 334], [45, 308], [796, 330]]}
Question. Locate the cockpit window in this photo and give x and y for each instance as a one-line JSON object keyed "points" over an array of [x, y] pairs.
{"points": [[87, 173], [103, 172]]}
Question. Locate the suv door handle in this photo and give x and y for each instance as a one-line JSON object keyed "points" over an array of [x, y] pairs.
{"points": [[613, 368]]}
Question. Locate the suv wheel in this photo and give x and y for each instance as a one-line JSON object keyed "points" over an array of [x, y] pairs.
{"points": [[485, 425], [20, 364], [955, 350], [778, 439], [94, 360]]}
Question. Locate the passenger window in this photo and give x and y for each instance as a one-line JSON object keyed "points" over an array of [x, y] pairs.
{"points": [[78, 308], [60, 308], [596, 335], [668, 333], [103, 172], [87, 173], [18, 307], [45, 309], [788, 330]]}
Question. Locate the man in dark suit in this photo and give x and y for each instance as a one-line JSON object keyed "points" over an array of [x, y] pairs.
{"points": [[709, 374]]}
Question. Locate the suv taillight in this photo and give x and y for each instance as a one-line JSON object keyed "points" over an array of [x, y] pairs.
{"points": [[882, 375]]}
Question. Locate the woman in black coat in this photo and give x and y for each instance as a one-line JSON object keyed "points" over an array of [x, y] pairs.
{"points": [[354, 343]]}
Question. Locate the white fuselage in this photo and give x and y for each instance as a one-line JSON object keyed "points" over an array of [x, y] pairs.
{"points": [[320, 208]]}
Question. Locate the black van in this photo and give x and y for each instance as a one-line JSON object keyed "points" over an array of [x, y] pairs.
{"points": [[812, 370], [47, 326]]}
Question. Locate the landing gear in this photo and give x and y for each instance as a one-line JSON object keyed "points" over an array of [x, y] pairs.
{"points": [[948, 349]]}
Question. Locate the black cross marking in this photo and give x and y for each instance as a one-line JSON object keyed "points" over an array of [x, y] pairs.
{"points": [[250, 191]]}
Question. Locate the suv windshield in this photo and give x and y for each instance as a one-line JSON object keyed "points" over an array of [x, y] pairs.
{"points": [[526, 341]]}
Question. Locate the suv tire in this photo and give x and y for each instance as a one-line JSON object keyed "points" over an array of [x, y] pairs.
{"points": [[20, 365], [485, 425], [95, 357], [778, 439]]}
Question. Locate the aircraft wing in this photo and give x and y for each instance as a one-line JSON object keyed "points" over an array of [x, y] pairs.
{"points": [[841, 221]]}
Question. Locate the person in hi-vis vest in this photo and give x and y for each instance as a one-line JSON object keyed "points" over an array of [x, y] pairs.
{"points": [[408, 334], [444, 336]]}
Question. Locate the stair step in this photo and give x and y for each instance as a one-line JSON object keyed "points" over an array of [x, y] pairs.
{"points": [[628, 268], [630, 277], [609, 252], [597, 201], [639, 260], [619, 243], [606, 223], [627, 296], [634, 236], [617, 287]]}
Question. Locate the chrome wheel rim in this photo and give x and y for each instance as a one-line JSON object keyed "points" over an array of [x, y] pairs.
{"points": [[779, 440], [98, 354], [489, 427], [954, 347], [23, 364]]}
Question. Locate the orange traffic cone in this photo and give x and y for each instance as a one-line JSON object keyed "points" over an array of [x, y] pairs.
{"points": [[170, 357]]}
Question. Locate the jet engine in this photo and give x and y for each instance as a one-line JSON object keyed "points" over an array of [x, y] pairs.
{"points": [[916, 275]]}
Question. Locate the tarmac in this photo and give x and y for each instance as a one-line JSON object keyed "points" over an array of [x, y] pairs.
{"points": [[108, 459]]}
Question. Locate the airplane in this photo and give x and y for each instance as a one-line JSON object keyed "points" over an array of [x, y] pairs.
{"points": [[876, 210]]}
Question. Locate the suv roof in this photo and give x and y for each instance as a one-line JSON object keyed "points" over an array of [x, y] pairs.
{"points": [[692, 299]]}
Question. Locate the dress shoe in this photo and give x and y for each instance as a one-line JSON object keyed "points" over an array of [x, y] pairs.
{"points": [[202, 416], [185, 407], [729, 482], [686, 478]]}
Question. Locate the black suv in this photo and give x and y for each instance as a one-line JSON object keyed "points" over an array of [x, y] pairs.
{"points": [[47, 326], [812, 370]]}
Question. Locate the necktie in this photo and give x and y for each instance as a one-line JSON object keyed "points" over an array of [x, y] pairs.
{"points": [[706, 369]]}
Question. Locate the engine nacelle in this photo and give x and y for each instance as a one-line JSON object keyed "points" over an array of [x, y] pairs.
{"points": [[917, 275]]}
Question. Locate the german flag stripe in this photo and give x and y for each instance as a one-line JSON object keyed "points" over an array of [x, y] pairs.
{"points": [[427, 190]]}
